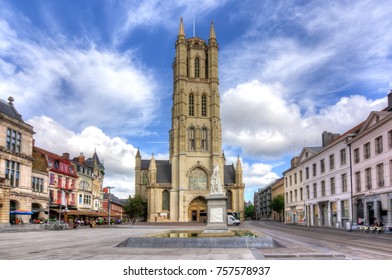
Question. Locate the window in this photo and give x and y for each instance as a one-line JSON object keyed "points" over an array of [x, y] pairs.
{"points": [[380, 175], [87, 199], [80, 198], [390, 139], [368, 178], [291, 180], [358, 181], [378, 143], [356, 155], [344, 182], [37, 184], [322, 166], [314, 190], [165, 200], [300, 176], [331, 162], [366, 150], [12, 172], [345, 212], [197, 67], [343, 157], [204, 141], [307, 192], [307, 172], [291, 196], [191, 105], [333, 188], [314, 170], [204, 105], [301, 193], [295, 178], [14, 140], [191, 137], [323, 192], [295, 195]]}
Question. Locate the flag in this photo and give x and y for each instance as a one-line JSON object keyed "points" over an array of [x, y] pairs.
{"points": [[63, 199]]}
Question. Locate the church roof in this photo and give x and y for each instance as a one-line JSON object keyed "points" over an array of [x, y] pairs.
{"points": [[164, 171], [229, 176]]}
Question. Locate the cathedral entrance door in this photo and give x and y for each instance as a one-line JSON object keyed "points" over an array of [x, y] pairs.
{"points": [[197, 209]]}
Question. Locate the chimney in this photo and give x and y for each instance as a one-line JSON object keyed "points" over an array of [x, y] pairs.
{"points": [[328, 138], [66, 156], [81, 158]]}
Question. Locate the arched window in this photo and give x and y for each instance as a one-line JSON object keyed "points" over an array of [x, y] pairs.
{"points": [[197, 67], [191, 137], [204, 105], [198, 179], [229, 200], [165, 200], [204, 139], [191, 105]]}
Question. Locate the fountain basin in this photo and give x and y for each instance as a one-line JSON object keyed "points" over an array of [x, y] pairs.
{"points": [[191, 239]]}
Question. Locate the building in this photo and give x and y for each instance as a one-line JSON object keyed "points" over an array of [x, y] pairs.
{"points": [[346, 181], [371, 155], [113, 206], [91, 173], [16, 160], [176, 189], [277, 189], [62, 181]]}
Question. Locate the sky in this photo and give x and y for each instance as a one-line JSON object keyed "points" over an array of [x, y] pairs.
{"points": [[92, 75]]}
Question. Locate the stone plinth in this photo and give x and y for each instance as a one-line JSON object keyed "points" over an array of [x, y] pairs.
{"points": [[216, 217]]}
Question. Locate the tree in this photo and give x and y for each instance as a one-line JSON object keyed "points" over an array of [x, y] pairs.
{"points": [[277, 204], [136, 207], [249, 211]]}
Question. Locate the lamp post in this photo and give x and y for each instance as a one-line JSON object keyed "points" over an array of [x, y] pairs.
{"points": [[109, 188]]}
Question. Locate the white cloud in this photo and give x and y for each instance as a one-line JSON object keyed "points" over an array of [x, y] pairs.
{"points": [[77, 87], [117, 155], [258, 118]]}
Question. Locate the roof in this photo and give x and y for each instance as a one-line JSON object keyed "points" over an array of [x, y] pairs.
{"points": [[9, 109], [164, 171], [113, 199], [229, 175]]}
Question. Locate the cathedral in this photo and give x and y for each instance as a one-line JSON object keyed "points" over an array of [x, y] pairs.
{"points": [[176, 189]]}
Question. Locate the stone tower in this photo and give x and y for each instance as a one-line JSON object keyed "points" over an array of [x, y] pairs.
{"points": [[195, 140]]}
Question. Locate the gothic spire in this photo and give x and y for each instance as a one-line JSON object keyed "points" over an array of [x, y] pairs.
{"points": [[212, 31], [181, 31]]}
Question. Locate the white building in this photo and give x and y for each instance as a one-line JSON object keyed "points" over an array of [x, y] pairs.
{"points": [[347, 180]]}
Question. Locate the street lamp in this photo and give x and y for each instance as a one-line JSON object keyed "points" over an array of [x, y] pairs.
{"points": [[109, 188]]}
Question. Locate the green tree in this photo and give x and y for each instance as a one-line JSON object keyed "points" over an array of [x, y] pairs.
{"points": [[249, 211], [277, 203], [136, 207]]}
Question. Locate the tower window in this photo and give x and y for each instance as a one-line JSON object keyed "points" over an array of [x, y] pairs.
{"points": [[191, 138], [197, 67], [204, 139], [165, 200], [204, 105], [191, 105]]}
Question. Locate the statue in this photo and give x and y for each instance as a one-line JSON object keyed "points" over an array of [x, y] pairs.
{"points": [[216, 186]]}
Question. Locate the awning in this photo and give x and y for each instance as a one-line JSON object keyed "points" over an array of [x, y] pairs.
{"points": [[21, 212], [80, 213]]}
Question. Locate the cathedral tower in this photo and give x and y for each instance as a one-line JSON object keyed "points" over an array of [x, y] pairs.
{"points": [[195, 139]]}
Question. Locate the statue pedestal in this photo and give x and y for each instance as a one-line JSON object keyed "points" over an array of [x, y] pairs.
{"points": [[217, 217]]}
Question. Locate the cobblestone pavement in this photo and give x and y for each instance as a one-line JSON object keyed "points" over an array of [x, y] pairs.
{"points": [[100, 243]]}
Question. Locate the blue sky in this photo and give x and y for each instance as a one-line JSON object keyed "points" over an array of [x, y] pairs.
{"points": [[96, 75]]}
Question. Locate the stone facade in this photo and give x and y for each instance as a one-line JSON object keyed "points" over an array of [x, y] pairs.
{"points": [[16, 145], [176, 189]]}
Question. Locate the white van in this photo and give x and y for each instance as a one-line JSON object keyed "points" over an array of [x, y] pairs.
{"points": [[231, 221]]}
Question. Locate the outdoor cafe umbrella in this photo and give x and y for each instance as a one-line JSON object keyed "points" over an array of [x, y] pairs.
{"points": [[21, 212]]}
